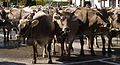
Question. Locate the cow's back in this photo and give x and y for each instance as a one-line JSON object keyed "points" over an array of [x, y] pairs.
{"points": [[44, 27]]}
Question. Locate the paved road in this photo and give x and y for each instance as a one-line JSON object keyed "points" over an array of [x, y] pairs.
{"points": [[23, 56]]}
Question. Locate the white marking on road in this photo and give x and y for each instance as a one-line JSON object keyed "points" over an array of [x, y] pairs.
{"points": [[90, 61], [109, 62]]}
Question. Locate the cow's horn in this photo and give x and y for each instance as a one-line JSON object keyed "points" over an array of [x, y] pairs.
{"points": [[97, 7], [34, 23]]}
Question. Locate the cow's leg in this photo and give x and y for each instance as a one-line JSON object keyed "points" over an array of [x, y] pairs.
{"points": [[62, 46], [103, 42], [62, 49], [95, 41], [118, 36], [88, 44], [66, 48], [49, 52], [36, 51], [44, 51], [8, 32], [109, 46], [7, 39], [10, 35], [91, 40], [54, 42], [23, 40], [4, 32], [70, 47], [34, 54], [82, 45]]}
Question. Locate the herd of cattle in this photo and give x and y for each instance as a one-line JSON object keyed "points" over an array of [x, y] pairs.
{"points": [[42, 25]]}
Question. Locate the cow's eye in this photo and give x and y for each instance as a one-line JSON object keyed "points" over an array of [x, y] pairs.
{"points": [[57, 17]]}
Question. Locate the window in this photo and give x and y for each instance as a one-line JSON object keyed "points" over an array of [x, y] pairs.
{"points": [[112, 3]]}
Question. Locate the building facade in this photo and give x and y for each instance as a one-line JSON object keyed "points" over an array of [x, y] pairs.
{"points": [[99, 3]]}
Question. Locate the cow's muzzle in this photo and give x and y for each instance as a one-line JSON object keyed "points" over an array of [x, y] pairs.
{"points": [[67, 30]]}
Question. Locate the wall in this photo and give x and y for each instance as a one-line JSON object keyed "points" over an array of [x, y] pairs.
{"points": [[76, 2], [61, 0], [93, 2]]}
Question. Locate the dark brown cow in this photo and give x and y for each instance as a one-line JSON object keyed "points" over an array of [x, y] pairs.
{"points": [[60, 35], [109, 32], [15, 14], [83, 21], [5, 25], [115, 27], [40, 29]]}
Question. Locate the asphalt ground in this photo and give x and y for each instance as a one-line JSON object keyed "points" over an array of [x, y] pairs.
{"points": [[23, 56]]}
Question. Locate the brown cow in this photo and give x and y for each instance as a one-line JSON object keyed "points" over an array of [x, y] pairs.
{"points": [[109, 32], [60, 35], [40, 29], [83, 21], [6, 25], [115, 27]]}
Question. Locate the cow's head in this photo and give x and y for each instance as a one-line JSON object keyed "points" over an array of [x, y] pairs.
{"points": [[116, 15], [57, 16], [25, 27], [105, 14], [66, 19], [115, 19]]}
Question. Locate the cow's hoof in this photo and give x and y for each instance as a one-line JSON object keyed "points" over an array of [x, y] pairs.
{"points": [[93, 54], [50, 62], [82, 54], [104, 53], [109, 51], [33, 62], [68, 55], [109, 54]]}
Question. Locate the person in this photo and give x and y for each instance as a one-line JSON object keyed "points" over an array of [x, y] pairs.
{"points": [[87, 4]]}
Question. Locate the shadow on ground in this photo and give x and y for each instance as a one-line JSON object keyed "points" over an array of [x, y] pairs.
{"points": [[11, 63]]}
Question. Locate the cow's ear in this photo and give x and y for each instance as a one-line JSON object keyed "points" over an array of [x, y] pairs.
{"points": [[98, 14], [58, 12], [110, 13], [34, 23]]}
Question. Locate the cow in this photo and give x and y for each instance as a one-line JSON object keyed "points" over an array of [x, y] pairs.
{"points": [[6, 25], [83, 21], [40, 29], [110, 31], [60, 35], [115, 27], [15, 14]]}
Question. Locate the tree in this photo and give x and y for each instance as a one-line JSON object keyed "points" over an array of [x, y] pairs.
{"points": [[40, 2], [21, 2], [28, 2], [70, 1]]}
